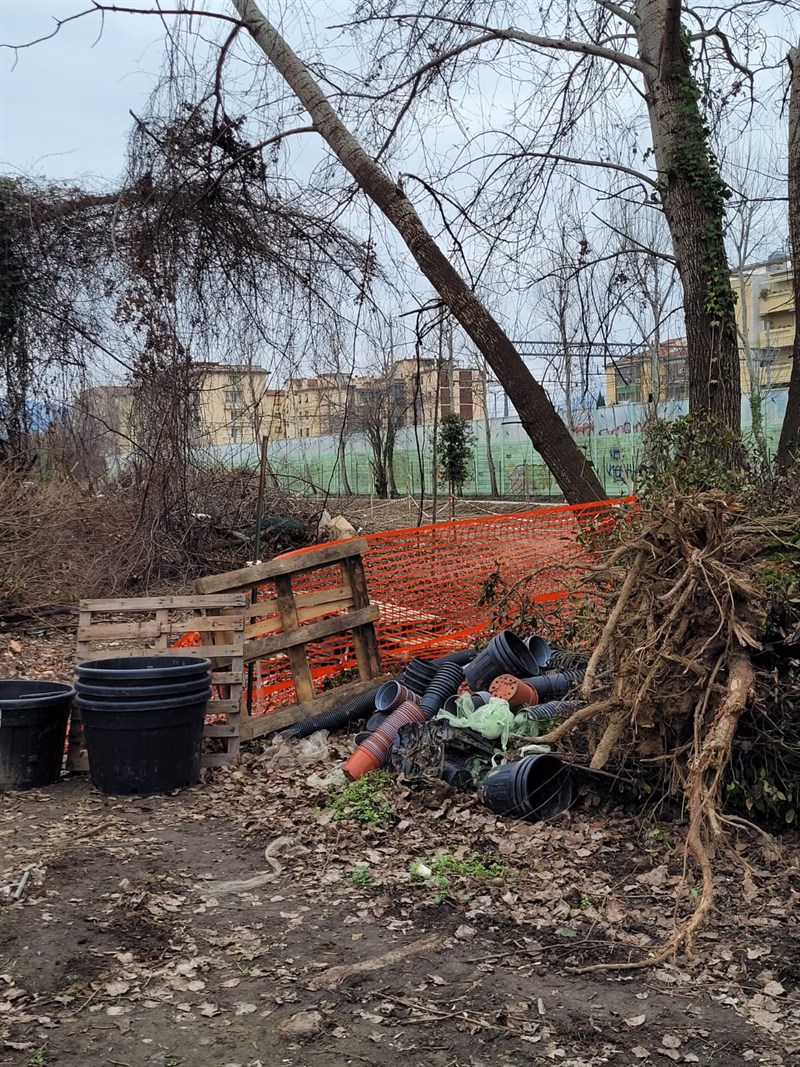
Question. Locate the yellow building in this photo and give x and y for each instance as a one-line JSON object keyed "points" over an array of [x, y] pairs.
{"points": [[765, 322], [231, 405], [631, 379], [322, 404], [315, 406], [234, 405]]}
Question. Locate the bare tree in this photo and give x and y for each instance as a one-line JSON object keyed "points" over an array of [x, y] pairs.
{"points": [[789, 444], [591, 52], [598, 52], [645, 282]]}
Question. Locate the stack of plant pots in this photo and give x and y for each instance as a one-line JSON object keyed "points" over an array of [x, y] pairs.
{"points": [[143, 720]]}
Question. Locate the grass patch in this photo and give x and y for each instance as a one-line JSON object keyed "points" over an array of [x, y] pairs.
{"points": [[446, 875], [363, 801], [360, 876]]}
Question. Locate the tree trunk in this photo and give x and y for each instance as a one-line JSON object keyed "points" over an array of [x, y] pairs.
{"points": [[344, 481], [388, 453], [789, 445], [693, 196], [541, 421], [487, 429]]}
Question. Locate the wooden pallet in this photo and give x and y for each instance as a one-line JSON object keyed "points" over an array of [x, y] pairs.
{"points": [[149, 625], [286, 621]]}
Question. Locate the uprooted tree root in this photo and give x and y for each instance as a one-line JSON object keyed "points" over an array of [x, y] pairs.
{"points": [[671, 672]]}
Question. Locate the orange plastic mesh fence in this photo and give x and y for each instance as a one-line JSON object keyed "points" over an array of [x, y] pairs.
{"points": [[427, 581]]}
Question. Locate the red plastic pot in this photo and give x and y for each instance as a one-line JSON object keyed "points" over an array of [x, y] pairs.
{"points": [[514, 690]]}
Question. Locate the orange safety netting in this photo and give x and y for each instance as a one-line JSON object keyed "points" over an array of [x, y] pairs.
{"points": [[428, 580]]}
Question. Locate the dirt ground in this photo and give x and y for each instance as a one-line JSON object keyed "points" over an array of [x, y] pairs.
{"points": [[121, 953], [371, 516]]}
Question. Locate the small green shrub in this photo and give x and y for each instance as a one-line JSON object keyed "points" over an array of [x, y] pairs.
{"points": [[363, 801], [444, 872], [360, 876]]}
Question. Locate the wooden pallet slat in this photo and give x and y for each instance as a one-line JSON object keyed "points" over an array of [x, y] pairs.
{"points": [[297, 635], [259, 725], [295, 563]]}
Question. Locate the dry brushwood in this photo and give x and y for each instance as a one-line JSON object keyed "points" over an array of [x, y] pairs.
{"points": [[671, 673]]}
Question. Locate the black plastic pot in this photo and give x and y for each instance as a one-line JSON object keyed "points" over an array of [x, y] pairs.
{"points": [[33, 730], [456, 774], [505, 654], [142, 747], [478, 701], [539, 649], [444, 684], [119, 694], [534, 788], [376, 720], [552, 686]]}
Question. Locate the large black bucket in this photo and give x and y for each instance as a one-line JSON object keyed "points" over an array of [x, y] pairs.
{"points": [[535, 788], [143, 747], [143, 717], [33, 730]]}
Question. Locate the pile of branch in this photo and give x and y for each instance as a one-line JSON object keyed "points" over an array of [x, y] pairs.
{"points": [[682, 607]]}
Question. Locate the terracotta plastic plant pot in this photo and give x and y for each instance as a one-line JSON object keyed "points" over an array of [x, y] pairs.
{"points": [[360, 763], [375, 748], [514, 690]]}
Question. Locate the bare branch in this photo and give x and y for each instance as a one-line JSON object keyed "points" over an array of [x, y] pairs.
{"points": [[101, 9], [490, 34], [620, 12]]}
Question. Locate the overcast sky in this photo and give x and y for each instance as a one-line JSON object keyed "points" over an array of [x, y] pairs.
{"points": [[64, 108]]}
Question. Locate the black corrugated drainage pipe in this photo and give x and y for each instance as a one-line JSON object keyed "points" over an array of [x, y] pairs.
{"points": [[462, 657], [350, 711], [418, 675], [447, 680]]}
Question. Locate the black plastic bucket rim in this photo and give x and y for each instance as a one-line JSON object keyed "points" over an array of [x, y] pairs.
{"points": [[142, 668], [135, 693], [43, 693], [144, 705], [539, 649]]}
